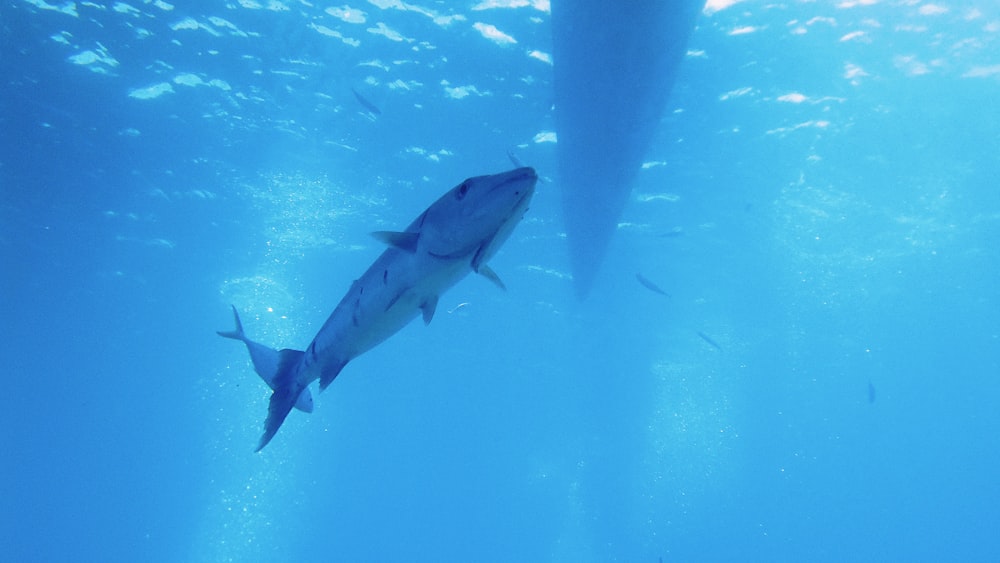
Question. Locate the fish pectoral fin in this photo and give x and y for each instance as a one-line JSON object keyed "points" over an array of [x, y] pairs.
{"points": [[489, 274], [403, 241], [428, 308]]}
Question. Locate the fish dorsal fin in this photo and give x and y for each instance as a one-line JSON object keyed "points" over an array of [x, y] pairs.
{"points": [[489, 274], [428, 308], [404, 241]]}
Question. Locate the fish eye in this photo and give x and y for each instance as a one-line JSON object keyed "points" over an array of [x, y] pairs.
{"points": [[462, 190]]}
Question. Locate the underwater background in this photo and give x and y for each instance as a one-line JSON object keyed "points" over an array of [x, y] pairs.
{"points": [[818, 378]]}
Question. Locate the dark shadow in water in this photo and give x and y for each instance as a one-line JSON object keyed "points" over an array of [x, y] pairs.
{"points": [[615, 64]]}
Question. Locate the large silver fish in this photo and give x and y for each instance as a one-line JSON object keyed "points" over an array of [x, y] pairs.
{"points": [[457, 234]]}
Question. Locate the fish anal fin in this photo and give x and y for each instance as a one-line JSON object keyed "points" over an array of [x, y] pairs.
{"points": [[489, 274], [402, 240], [329, 374], [428, 308]]}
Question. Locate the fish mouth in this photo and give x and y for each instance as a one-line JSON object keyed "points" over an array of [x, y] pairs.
{"points": [[527, 178], [525, 172], [525, 175]]}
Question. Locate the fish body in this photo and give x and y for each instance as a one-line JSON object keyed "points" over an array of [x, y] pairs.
{"points": [[709, 340], [366, 103]]}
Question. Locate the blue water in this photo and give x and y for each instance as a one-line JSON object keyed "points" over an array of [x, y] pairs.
{"points": [[820, 203]]}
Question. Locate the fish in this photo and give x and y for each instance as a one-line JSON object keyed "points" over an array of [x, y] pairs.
{"points": [[265, 362], [650, 285], [458, 234], [513, 159], [368, 105], [871, 393], [711, 342]]}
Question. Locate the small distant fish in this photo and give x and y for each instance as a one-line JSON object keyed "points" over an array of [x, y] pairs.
{"points": [[457, 307], [161, 243], [368, 105], [650, 285], [513, 159], [517, 163], [871, 392], [706, 338]]}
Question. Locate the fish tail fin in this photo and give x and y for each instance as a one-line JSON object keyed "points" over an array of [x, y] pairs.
{"points": [[234, 334], [287, 389]]}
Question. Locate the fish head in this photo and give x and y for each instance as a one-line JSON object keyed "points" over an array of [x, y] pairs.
{"points": [[476, 217]]}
